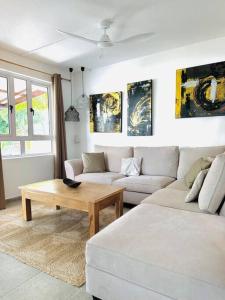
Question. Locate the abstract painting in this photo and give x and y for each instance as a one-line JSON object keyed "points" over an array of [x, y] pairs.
{"points": [[106, 112], [200, 91], [139, 108]]}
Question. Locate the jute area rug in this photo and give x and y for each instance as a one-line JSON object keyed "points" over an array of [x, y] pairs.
{"points": [[53, 242]]}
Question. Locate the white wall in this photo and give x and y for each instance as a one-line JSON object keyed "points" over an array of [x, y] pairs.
{"points": [[24, 170], [161, 68], [21, 171]]}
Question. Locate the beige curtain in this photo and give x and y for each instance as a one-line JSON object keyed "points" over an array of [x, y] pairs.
{"points": [[59, 127], [2, 190]]}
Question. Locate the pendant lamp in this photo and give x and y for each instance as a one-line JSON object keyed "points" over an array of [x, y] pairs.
{"points": [[72, 115], [83, 99]]}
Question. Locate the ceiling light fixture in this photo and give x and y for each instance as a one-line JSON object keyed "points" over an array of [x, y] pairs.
{"points": [[72, 115], [83, 99]]}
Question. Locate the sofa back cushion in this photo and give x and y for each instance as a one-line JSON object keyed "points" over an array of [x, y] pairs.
{"points": [[159, 161], [114, 155], [213, 189], [189, 155]]}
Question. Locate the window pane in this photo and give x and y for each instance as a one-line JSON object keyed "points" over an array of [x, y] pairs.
{"points": [[4, 106], [38, 147], [20, 93], [10, 148], [41, 112]]}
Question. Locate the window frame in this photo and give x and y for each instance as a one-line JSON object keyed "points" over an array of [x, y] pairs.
{"points": [[12, 115]]}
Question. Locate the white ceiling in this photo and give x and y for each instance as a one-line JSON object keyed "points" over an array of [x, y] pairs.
{"points": [[26, 25]]}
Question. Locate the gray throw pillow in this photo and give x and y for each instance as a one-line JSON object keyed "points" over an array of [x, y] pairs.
{"points": [[196, 187], [93, 162], [199, 165], [213, 189]]}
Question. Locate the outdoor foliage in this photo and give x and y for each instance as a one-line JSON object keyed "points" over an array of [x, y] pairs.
{"points": [[40, 106]]}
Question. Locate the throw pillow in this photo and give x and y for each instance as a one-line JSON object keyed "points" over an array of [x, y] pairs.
{"points": [[196, 187], [131, 166], [213, 189], [93, 162], [199, 165]]}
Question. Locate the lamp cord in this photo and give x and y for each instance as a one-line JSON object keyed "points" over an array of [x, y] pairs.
{"points": [[82, 84], [71, 87]]}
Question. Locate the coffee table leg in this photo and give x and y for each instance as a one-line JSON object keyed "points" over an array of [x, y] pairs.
{"points": [[26, 209], [119, 205], [57, 207], [93, 213]]}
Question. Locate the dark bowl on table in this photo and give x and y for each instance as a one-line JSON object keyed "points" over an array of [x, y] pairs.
{"points": [[71, 183]]}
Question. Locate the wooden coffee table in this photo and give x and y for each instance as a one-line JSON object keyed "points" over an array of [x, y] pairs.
{"points": [[88, 197]]}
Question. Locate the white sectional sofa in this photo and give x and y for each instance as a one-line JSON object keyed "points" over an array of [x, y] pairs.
{"points": [[163, 248], [159, 168]]}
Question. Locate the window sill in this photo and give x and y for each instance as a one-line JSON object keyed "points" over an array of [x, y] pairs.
{"points": [[26, 156]]}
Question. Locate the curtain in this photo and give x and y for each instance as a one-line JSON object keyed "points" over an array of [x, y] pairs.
{"points": [[2, 190], [59, 128]]}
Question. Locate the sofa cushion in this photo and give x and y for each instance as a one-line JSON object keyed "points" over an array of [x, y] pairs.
{"points": [[131, 166], [93, 162], [189, 155], [213, 189], [105, 178], [144, 183], [113, 156], [175, 253], [161, 161], [199, 165], [172, 198], [196, 187], [178, 185]]}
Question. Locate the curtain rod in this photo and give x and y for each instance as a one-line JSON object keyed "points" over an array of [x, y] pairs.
{"points": [[32, 69]]}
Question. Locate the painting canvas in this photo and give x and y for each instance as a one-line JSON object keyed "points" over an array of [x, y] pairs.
{"points": [[139, 108], [200, 91], [106, 112]]}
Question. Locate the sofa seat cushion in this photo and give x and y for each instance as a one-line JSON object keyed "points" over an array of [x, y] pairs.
{"points": [[105, 178], [175, 253], [144, 183], [172, 198]]}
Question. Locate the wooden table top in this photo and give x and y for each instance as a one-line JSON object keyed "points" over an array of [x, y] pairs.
{"points": [[87, 191]]}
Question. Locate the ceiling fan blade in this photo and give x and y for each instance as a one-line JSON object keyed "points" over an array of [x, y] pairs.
{"points": [[42, 47], [136, 38], [77, 37]]}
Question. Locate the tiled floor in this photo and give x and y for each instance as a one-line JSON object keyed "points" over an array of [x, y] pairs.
{"points": [[21, 282]]}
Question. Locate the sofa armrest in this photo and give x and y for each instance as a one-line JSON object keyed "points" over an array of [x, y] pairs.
{"points": [[73, 168]]}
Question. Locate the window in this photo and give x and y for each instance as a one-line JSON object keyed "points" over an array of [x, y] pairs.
{"points": [[40, 114], [25, 122], [4, 106], [21, 108]]}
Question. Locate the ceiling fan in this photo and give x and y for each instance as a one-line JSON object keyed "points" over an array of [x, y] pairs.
{"points": [[105, 41]]}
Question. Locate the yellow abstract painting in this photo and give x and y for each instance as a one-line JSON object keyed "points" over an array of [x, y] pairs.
{"points": [[200, 91], [139, 119], [106, 112]]}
